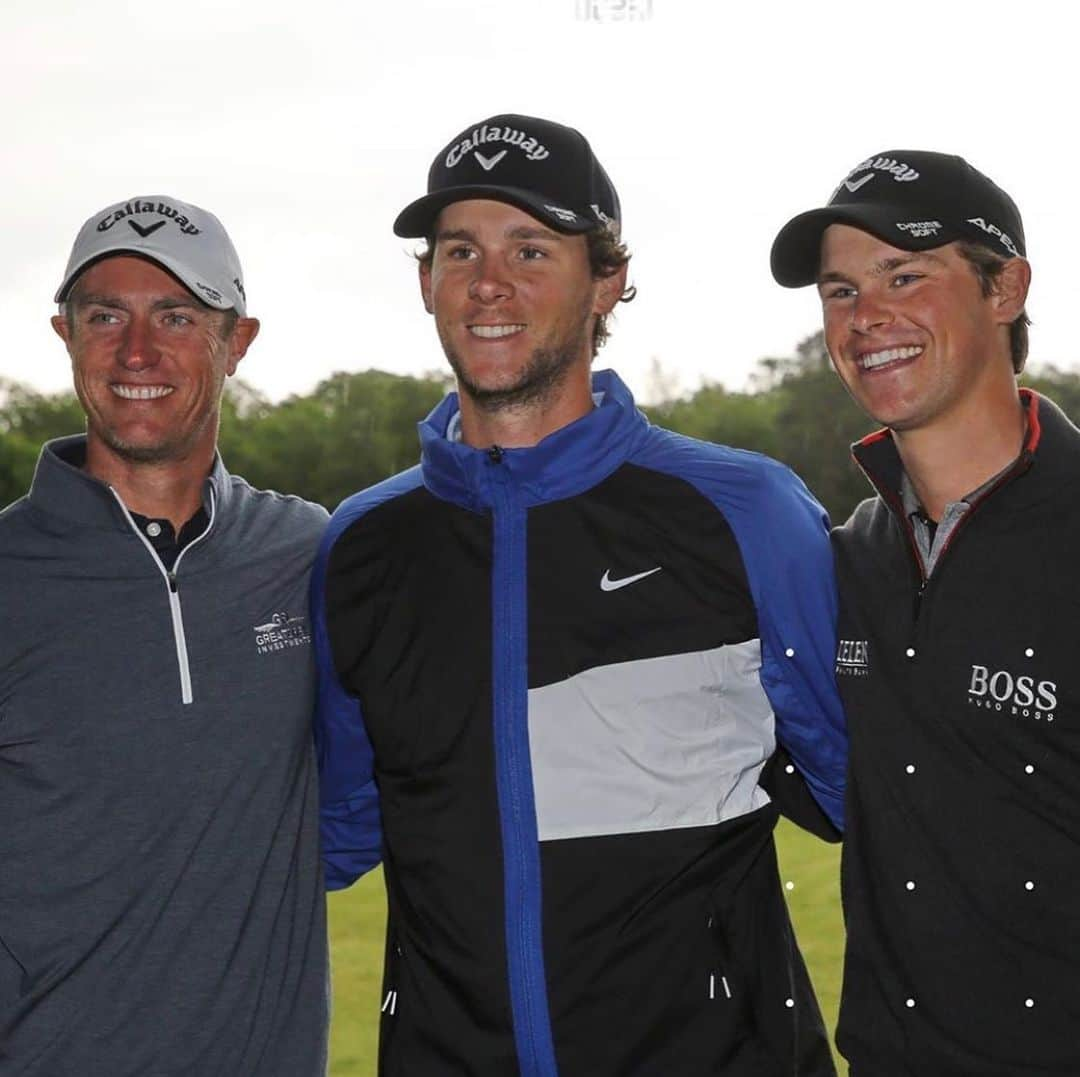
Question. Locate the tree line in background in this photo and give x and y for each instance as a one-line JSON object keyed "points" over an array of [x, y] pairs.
{"points": [[355, 429]]}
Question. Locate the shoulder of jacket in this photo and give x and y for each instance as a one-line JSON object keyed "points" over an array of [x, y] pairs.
{"points": [[358, 505], [867, 515]]}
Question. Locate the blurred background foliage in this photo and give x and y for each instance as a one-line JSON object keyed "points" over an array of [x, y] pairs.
{"points": [[354, 429]]}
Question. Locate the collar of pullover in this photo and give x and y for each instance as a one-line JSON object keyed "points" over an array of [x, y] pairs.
{"points": [[568, 461], [62, 489], [1047, 429]]}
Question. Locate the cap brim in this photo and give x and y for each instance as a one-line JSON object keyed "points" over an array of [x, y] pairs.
{"points": [[417, 220], [796, 251], [182, 273]]}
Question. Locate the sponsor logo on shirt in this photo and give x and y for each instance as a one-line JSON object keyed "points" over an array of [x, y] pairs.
{"points": [[853, 658], [1019, 696], [281, 632]]}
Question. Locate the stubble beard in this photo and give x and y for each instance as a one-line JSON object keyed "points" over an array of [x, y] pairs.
{"points": [[538, 382], [173, 447], [159, 453]]}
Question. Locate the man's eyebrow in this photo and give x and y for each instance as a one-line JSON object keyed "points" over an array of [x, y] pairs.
{"points": [[455, 233], [886, 265], [95, 299], [523, 231], [118, 302], [532, 232]]}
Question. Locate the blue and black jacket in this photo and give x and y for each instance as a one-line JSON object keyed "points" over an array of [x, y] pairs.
{"points": [[550, 679]]}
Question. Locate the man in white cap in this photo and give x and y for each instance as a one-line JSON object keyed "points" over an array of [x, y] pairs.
{"points": [[554, 660], [160, 906]]}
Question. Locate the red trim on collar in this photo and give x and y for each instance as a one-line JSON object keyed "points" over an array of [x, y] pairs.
{"points": [[1030, 400], [871, 439]]}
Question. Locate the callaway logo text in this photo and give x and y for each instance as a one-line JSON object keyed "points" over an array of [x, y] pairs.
{"points": [[1022, 697], [899, 171], [528, 146], [135, 206]]}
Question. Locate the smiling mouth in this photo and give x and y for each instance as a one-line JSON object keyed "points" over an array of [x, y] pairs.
{"points": [[873, 360], [495, 332], [141, 392]]}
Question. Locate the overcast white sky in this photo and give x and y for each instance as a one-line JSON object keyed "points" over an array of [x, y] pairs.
{"points": [[307, 125]]}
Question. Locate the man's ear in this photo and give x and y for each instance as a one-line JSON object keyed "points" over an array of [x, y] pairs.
{"points": [[424, 270], [609, 290], [243, 333], [60, 326], [1011, 289]]}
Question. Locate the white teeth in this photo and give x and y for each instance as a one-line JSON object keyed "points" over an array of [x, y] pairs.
{"points": [[141, 392], [868, 362], [490, 332]]}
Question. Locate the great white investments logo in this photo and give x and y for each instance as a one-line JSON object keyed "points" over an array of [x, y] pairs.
{"points": [[281, 632], [1018, 696], [481, 136], [135, 206], [853, 658]]}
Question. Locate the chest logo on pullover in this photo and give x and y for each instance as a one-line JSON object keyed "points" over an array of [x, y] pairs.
{"points": [[1019, 696], [608, 584], [853, 658], [281, 632]]}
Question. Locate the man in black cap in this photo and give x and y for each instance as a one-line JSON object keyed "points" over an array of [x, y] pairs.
{"points": [[161, 905], [554, 659], [961, 871]]}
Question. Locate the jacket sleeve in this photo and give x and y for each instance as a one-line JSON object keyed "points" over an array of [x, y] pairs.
{"points": [[790, 566], [349, 819]]}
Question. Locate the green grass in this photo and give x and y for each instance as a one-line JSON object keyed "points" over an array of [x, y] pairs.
{"points": [[358, 918]]}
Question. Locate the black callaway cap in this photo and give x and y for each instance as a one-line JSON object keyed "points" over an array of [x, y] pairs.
{"points": [[544, 168], [912, 199]]}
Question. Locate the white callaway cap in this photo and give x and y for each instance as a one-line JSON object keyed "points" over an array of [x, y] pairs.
{"points": [[189, 242]]}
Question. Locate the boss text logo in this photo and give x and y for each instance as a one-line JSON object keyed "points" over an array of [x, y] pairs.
{"points": [[1022, 696]]}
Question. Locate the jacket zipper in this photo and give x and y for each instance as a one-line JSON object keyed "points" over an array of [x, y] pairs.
{"points": [[513, 776], [180, 639], [896, 507]]}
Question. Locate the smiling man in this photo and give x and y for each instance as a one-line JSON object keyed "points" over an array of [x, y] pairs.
{"points": [[554, 660], [961, 875], [161, 907]]}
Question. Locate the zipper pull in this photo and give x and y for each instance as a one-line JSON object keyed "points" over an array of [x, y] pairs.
{"points": [[495, 454], [171, 577]]}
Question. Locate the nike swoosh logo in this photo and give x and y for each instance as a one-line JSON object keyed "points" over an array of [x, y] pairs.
{"points": [[488, 163], [608, 584], [144, 232], [853, 187]]}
